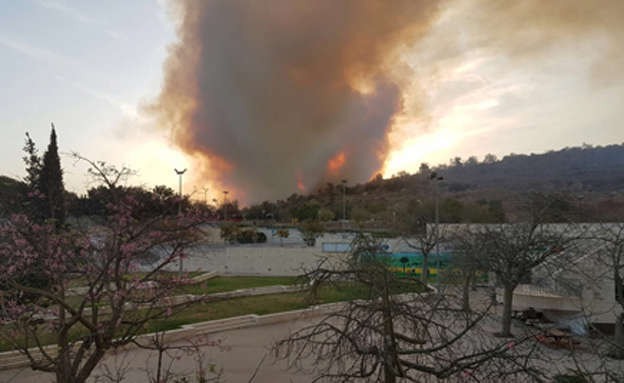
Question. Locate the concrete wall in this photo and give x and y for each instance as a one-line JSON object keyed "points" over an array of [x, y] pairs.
{"points": [[291, 258], [254, 260], [577, 282]]}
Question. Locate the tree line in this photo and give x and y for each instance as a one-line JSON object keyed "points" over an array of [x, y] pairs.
{"points": [[123, 262], [43, 197]]}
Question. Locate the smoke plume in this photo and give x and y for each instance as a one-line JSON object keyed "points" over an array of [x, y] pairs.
{"points": [[268, 92], [278, 96]]}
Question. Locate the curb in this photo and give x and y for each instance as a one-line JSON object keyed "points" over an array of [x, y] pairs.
{"points": [[15, 359], [200, 278]]}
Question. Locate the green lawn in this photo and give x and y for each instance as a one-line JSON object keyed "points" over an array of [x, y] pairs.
{"points": [[223, 284], [199, 312], [259, 305], [81, 281], [218, 285]]}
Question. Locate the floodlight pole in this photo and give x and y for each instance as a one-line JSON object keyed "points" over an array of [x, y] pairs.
{"points": [[434, 177], [180, 173], [205, 190], [225, 193], [344, 203]]}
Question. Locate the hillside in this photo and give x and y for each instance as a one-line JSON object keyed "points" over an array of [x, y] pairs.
{"points": [[593, 176], [597, 171]]}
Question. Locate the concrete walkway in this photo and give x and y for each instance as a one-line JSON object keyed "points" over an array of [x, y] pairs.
{"points": [[246, 349]]}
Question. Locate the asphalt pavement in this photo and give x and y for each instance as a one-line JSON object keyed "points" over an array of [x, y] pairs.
{"points": [[240, 356]]}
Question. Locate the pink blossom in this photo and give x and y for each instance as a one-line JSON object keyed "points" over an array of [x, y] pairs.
{"points": [[511, 345]]}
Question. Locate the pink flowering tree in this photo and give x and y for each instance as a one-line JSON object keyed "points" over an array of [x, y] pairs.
{"points": [[99, 294]]}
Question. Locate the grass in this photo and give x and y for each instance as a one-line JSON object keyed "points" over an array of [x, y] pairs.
{"points": [[259, 305], [224, 284], [81, 281], [198, 312], [215, 285]]}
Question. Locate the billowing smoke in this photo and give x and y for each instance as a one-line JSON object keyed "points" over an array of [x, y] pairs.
{"points": [[532, 28], [276, 96], [270, 92]]}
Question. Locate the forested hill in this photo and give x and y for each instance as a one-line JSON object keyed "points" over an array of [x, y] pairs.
{"points": [[593, 170]]}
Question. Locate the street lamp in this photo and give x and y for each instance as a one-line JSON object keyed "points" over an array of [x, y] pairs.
{"points": [[216, 204], [434, 177], [225, 193], [205, 190], [344, 205], [180, 173]]}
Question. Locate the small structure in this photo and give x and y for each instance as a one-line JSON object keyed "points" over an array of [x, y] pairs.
{"points": [[574, 288]]}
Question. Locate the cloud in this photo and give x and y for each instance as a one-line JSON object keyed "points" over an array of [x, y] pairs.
{"points": [[39, 54], [65, 64], [78, 16]]}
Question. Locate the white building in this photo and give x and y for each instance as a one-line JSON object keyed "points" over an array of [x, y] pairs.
{"points": [[576, 286]]}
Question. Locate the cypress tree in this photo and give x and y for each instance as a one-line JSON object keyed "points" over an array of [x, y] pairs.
{"points": [[33, 164], [51, 183], [31, 204]]}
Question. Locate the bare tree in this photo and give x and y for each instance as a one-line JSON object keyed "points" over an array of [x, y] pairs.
{"points": [[167, 355], [511, 251], [468, 249], [393, 330], [412, 227], [612, 259]]}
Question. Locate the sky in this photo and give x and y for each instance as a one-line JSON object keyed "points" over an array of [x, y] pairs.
{"points": [[468, 84], [87, 67]]}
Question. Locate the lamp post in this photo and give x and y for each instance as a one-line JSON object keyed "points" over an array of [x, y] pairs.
{"points": [[393, 220], [180, 173], [225, 193], [434, 177], [205, 190], [344, 204]]}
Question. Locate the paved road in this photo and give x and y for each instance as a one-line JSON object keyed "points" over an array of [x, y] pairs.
{"points": [[247, 347]]}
